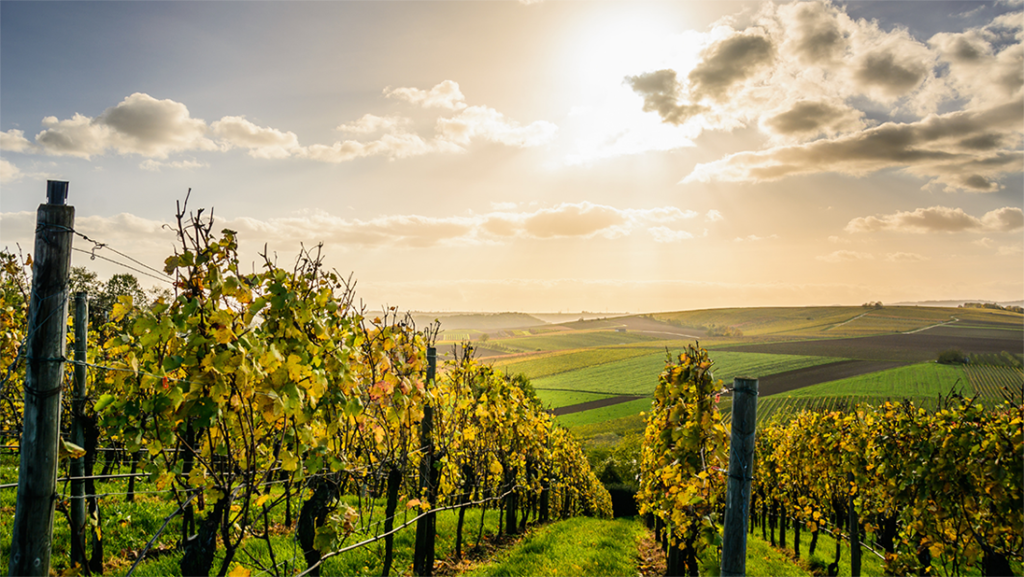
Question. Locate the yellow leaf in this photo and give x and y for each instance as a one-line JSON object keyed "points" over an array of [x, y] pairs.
{"points": [[68, 450], [262, 499], [412, 503], [239, 571], [289, 462]]}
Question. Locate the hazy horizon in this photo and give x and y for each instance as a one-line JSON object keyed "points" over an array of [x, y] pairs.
{"points": [[528, 156]]}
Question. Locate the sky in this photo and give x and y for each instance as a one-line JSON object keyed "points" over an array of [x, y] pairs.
{"points": [[538, 156]]}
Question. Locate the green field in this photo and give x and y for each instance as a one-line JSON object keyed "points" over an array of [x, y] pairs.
{"points": [[555, 363], [574, 340], [639, 375], [611, 412], [782, 408], [920, 380], [555, 399], [991, 382]]}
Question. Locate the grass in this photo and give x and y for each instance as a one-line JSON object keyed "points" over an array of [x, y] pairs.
{"points": [[990, 382], [920, 380], [555, 399], [578, 546], [779, 408], [574, 340], [611, 412], [639, 375], [618, 427], [555, 363], [128, 527], [767, 320]]}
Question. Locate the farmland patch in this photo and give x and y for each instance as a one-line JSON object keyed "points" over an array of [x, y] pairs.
{"points": [[920, 380], [992, 383], [809, 376]]}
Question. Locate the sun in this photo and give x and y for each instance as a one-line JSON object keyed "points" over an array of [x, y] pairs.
{"points": [[615, 41]]}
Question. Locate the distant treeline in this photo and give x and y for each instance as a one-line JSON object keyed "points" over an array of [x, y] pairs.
{"points": [[993, 306]]}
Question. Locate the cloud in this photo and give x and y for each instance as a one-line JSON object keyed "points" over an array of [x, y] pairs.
{"points": [[729, 61], [582, 220], [835, 94], [905, 257], [444, 95], [943, 148], [941, 219], [370, 123], [660, 91], [984, 242], [236, 131], [154, 129], [489, 124], [140, 124], [1012, 250], [9, 172], [713, 216], [392, 146], [157, 166], [808, 118], [14, 140], [845, 256], [754, 238]]}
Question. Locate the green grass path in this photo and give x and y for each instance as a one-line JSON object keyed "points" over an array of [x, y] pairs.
{"points": [[607, 548], [578, 546]]}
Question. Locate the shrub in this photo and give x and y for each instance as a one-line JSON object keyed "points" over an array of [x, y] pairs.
{"points": [[953, 357]]}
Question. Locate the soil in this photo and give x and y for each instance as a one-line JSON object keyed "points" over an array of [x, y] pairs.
{"points": [[568, 409], [907, 348], [799, 378]]}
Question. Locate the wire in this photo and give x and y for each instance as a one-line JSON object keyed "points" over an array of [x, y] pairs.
{"points": [[99, 245], [142, 272]]}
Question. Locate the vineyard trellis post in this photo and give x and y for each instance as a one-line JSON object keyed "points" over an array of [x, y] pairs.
{"points": [[423, 556], [741, 466], [854, 536], [45, 348], [78, 430]]}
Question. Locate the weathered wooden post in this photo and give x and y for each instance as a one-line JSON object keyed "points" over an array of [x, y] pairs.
{"points": [[423, 555], [47, 329], [854, 534], [78, 431], [741, 466]]}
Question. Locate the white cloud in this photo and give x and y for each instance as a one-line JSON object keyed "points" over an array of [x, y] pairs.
{"points": [[14, 140], [941, 219], [489, 124], [904, 257], [370, 123], [392, 146], [819, 83], [564, 221], [156, 165], [9, 172], [140, 124], [984, 242], [665, 234], [845, 256], [1012, 250], [236, 131], [713, 216], [754, 238], [444, 95], [153, 128]]}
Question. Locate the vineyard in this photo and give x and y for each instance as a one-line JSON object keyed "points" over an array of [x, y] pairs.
{"points": [[937, 491], [271, 428]]}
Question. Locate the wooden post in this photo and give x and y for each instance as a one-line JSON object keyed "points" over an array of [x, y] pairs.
{"points": [[854, 535], [741, 464], [47, 329], [78, 431], [423, 555]]}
